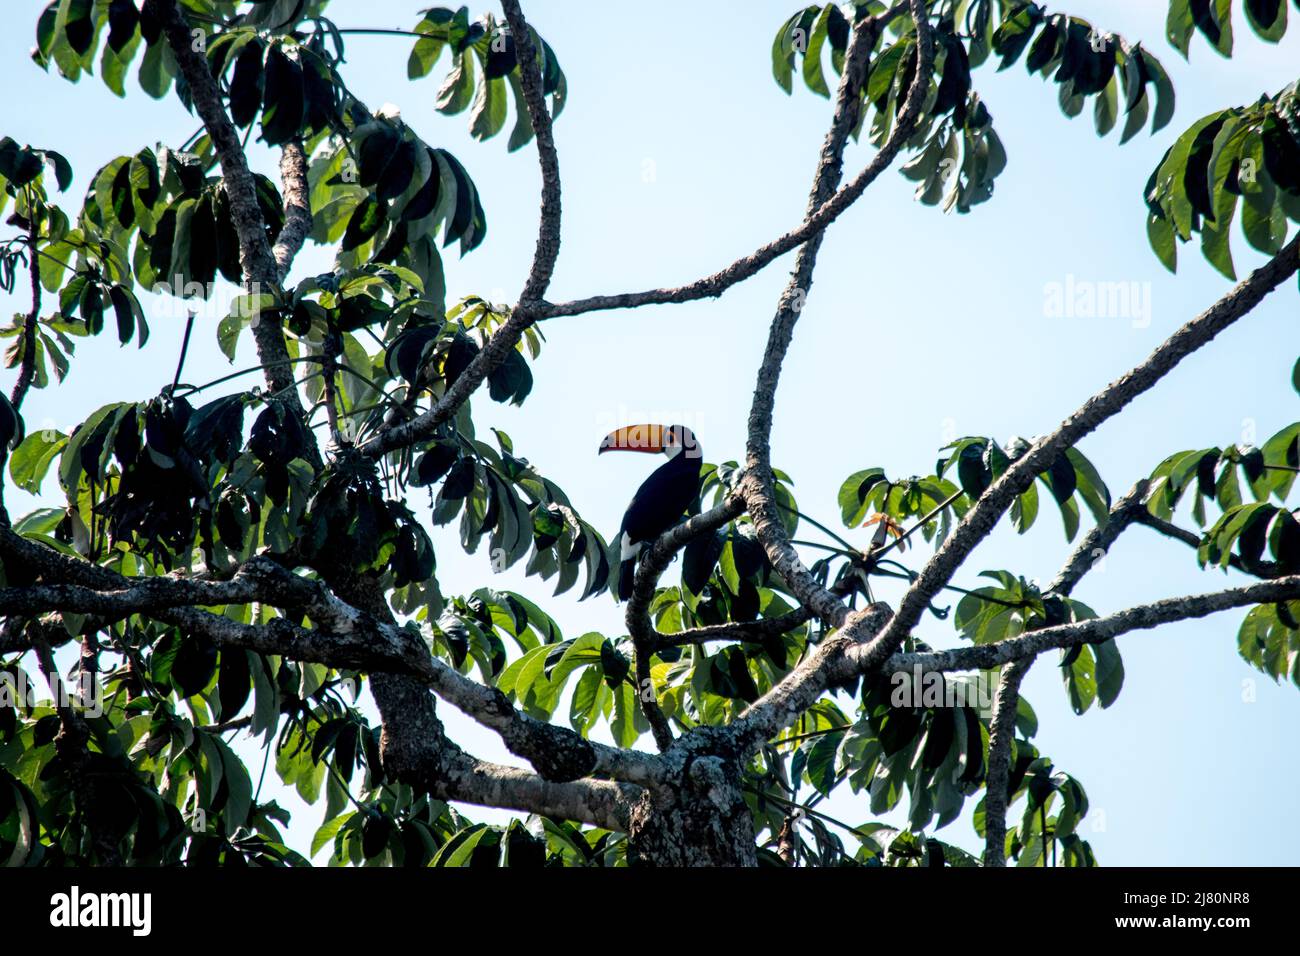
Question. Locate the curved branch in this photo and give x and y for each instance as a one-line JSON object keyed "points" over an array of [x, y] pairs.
{"points": [[1124, 513], [297, 208], [415, 749], [530, 306], [1002, 726], [548, 228], [345, 637], [757, 486], [828, 207], [752, 632], [1259, 569], [1033, 643], [997, 783], [832, 663], [27, 370], [255, 259], [988, 509]]}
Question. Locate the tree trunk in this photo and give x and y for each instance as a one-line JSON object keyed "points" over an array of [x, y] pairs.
{"points": [[702, 822]]}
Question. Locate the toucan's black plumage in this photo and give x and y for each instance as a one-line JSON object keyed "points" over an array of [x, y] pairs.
{"points": [[662, 498]]}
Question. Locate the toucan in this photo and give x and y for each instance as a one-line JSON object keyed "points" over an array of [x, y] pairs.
{"points": [[662, 498]]}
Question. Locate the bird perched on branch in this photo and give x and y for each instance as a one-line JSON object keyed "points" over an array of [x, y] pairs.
{"points": [[662, 498]]}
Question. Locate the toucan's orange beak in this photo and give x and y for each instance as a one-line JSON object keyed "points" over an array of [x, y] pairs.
{"points": [[649, 438]]}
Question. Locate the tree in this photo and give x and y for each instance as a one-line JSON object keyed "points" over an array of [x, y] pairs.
{"points": [[218, 568]]}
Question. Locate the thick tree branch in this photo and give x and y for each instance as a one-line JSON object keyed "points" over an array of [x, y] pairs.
{"points": [[558, 754], [1033, 643], [1002, 726], [415, 749], [345, 637], [261, 273], [828, 207], [757, 484], [997, 783], [829, 665], [297, 208], [141, 595], [531, 306], [987, 511]]}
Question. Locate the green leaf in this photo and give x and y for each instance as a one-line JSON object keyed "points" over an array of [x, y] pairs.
{"points": [[31, 459], [246, 84], [458, 88], [853, 494], [127, 310], [1160, 236], [284, 98], [812, 60], [489, 113], [1109, 672], [1080, 677], [365, 222]]}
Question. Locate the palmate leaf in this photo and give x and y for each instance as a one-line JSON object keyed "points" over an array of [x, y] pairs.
{"points": [[1269, 640], [957, 166], [1087, 62], [1212, 19], [69, 34], [1083, 60], [1216, 476], [1247, 155], [484, 71], [400, 193], [978, 462]]}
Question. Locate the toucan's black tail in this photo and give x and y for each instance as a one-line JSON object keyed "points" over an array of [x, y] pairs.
{"points": [[626, 574]]}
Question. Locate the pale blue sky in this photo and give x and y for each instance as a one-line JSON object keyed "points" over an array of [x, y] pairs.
{"points": [[679, 153]]}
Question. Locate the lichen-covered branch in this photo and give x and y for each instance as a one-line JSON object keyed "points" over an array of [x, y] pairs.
{"points": [[344, 636], [548, 227], [1127, 510], [297, 208], [531, 305], [831, 663], [828, 207], [757, 486], [997, 782], [986, 512], [1141, 617], [1002, 725], [261, 272]]}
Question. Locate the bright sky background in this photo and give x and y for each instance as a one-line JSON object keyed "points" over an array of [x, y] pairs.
{"points": [[679, 153]]}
